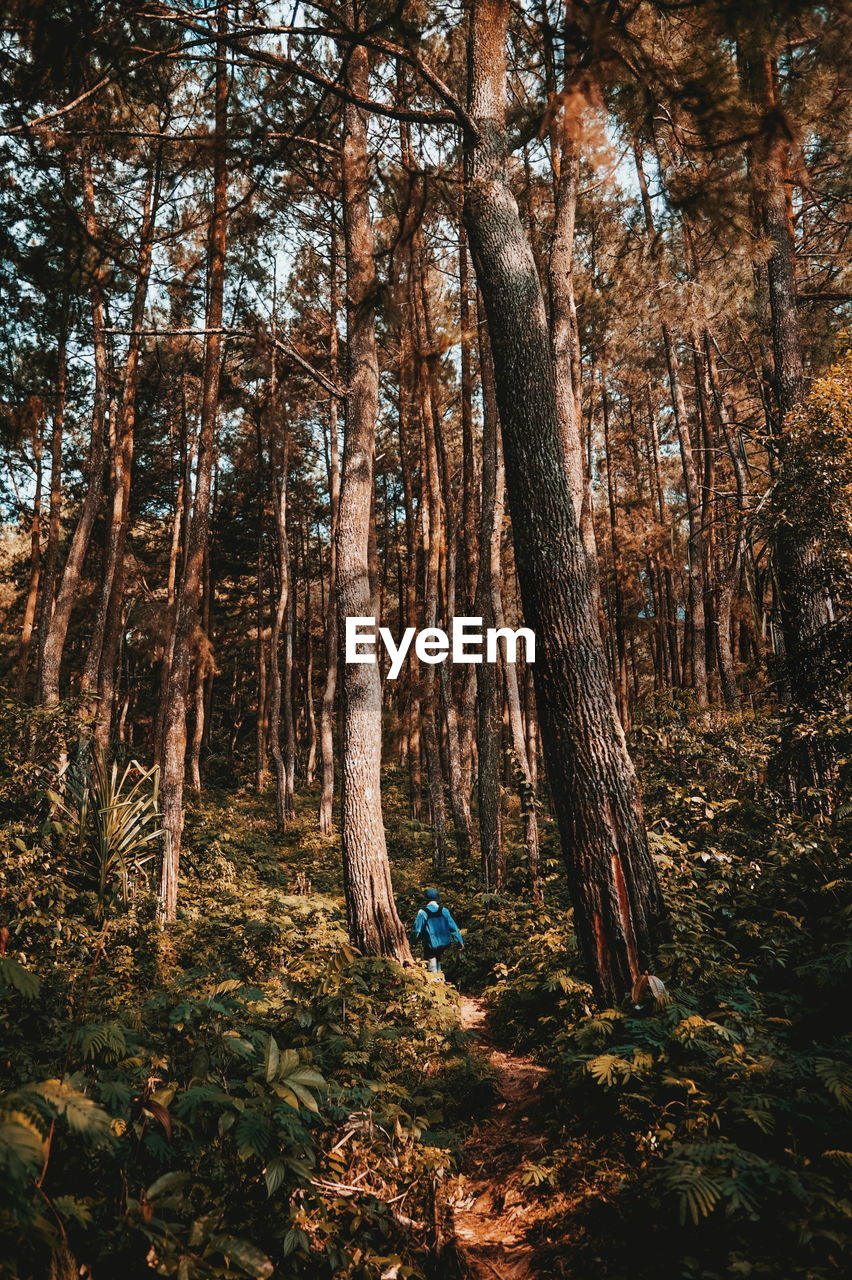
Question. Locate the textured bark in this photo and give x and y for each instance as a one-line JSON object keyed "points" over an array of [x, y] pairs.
{"points": [[564, 332], [374, 923], [280, 625], [54, 644], [329, 696], [189, 591], [434, 528], [54, 517], [618, 908], [620, 654]]}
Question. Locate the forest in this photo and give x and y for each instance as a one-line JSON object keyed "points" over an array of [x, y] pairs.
{"points": [[425, 647]]}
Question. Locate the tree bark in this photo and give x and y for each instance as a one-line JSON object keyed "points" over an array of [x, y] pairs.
{"points": [[54, 518], [189, 592], [280, 626], [329, 695], [54, 644], [374, 923], [618, 909]]}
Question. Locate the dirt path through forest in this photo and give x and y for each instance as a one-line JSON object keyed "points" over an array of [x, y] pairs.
{"points": [[491, 1208]]}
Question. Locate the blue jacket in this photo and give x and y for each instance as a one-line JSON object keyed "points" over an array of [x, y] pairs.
{"points": [[436, 926]]}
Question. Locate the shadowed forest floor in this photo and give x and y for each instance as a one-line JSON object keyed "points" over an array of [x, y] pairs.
{"points": [[276, 1104]]}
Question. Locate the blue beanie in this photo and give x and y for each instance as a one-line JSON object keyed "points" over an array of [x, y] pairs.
{"points": [[432, 895]]}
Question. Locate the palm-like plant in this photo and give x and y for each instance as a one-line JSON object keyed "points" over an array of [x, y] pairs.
{"points": [[113, 818]]}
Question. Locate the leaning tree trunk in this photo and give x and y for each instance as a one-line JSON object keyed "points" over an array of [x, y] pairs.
{"points": [[374, 923], [618, 907], [189, 592]]}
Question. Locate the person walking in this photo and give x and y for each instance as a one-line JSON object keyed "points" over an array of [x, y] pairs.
{"points": [[436, 929]]}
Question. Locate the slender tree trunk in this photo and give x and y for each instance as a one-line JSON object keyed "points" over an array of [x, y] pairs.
{"points": [[697, 636], [102, 660], [489, 714], [54, 519], [564, 333], [329, 696], [54, 644], [525, 779], [430, 500], [412, 700], [374, 923], [287, 688], [203, 669], [279, 627], [311, 762], [620, 655], [35, 555], [469, 513], [189, 592], [618, 908]]}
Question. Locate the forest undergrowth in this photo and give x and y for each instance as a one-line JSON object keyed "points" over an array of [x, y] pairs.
{"points": [[245, 1095]]}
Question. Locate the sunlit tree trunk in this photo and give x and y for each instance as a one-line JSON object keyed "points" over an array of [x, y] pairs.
{"points": [[374, 923], [618, 908], [329, 696]]}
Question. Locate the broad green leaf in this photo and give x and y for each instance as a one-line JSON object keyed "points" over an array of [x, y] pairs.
{"points": [[252, 1260], [271, 1058]]}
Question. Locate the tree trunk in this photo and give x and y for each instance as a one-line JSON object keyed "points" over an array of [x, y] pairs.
{"points": [[525, 780], [102, 659], [54, 644], [279, 626], [489, 714], [189, 592], [618, 907], [329, 695], [54, 518], [37, 410], [374, 924]]}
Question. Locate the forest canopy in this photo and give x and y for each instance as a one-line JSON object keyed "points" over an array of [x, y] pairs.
{"points": [[516, 331]]}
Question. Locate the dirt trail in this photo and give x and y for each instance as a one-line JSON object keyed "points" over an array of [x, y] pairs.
{"points": [[491, 1209]]}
